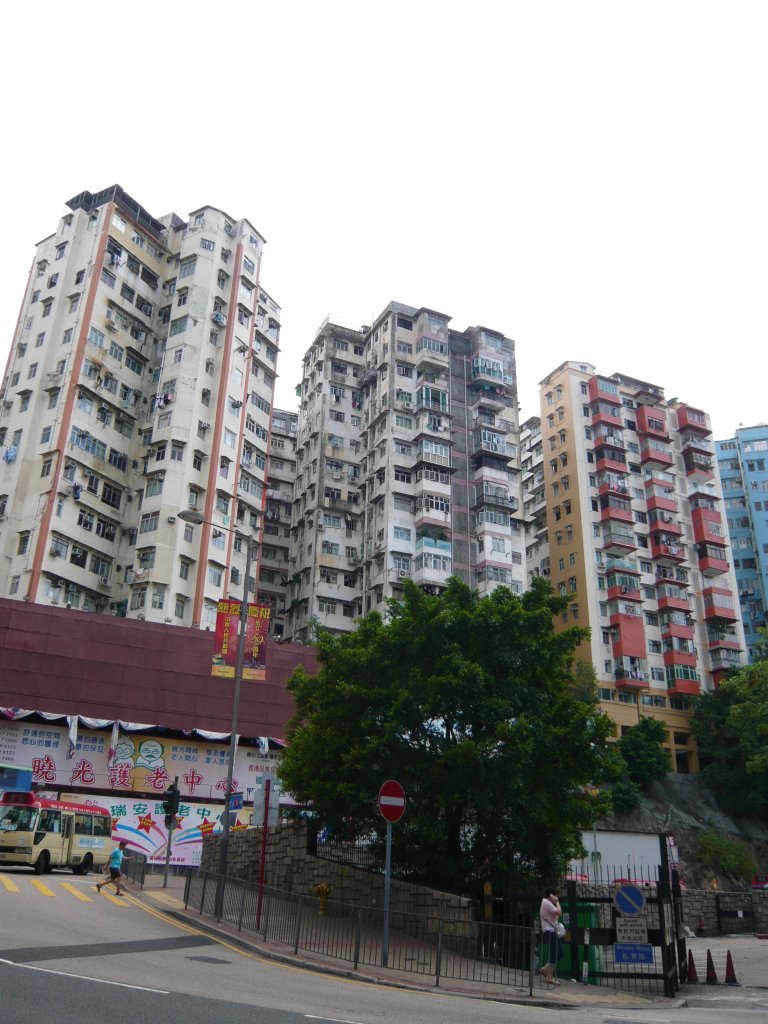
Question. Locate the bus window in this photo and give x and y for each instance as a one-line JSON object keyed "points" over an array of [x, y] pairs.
{"points": [[83, 824], [50, 821], [102, 825], [17, 819]]}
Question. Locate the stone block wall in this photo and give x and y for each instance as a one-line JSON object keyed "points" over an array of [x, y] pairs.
{"points": [[289, 867]]}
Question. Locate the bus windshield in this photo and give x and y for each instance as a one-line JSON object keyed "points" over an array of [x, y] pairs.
{"points": [[17, 819]]}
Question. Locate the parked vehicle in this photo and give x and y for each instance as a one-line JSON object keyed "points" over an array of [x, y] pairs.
{"points": [[760, 882]]}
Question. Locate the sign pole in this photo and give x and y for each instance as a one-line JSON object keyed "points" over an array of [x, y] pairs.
{"points": [[170, 840], [387, 876], [263, 858]]}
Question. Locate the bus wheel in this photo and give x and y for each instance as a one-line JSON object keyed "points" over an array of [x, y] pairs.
{"points": [[42, 863], [84, 866]]}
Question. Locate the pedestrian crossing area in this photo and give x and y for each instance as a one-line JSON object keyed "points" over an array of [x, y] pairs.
{"points": [[52, 887]]}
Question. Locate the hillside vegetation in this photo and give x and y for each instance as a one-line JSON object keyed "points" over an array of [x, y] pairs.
{"points": [[717, 850]]}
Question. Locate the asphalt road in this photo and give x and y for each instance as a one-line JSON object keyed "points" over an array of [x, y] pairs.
{"points": [[68, 954]]}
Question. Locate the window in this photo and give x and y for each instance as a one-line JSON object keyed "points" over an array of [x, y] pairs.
{"points": [[207, 244], [402, 533]]}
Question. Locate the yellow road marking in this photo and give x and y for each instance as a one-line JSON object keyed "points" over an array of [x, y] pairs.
{"points": [[9, 884], [76, 892], [42, 887], [115, 899]]}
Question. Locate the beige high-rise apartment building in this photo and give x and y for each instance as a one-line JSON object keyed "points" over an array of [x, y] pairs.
{"points": [[139, 385], [407, 466], [637, 539]]}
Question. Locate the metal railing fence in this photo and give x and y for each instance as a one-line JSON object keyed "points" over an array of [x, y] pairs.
{"points": [[442, 947]]}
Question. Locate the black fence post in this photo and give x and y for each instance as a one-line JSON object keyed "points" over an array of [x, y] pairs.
{"points": [[299, 908], [202, 898], [718, 912], [358, 931], [242, 906], [574, 929], [439, 953], [267, 906]]}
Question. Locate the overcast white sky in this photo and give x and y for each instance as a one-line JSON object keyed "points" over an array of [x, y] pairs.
{"points": [[590, 178]]}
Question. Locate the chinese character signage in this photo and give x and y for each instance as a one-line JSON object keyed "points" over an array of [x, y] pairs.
{"points": [[139, 763], [255, 650]]}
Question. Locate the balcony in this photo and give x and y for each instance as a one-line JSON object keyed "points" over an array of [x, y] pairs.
{"points": [[672, 598], [616, 509], [684, 658], [618, 542], [667, 523], [622, 565], [718, 604], [610, 460], [696, 442], [490, 371], [654, 453], [602, 390], [488, 494], [652, 423], [432, 352], [606, 415], [683, 687], [631, 673], [725, 660], [609, 436], [712, 559], [624, 591], [689, 418], [697, 467], [488, 441], [723, 638], [666, 548], [707, 526], [612, 483]]}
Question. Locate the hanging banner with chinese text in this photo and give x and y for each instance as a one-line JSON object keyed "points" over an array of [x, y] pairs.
{"points": [[255, 649], [139, 762]]}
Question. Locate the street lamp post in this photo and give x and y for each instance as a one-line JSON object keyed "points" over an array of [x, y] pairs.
{"points": [[197, 519]]}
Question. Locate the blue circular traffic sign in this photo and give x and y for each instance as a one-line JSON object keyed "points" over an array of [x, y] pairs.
{"points": [[629, 899]]}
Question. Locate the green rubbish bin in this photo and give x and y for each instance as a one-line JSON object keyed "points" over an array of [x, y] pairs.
{"points": [[586, 917]]}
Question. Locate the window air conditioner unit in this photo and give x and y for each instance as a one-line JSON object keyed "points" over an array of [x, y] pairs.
{"points": [[321, 526], [402, 574], [54, 552], [171, 519], [104, 581]]}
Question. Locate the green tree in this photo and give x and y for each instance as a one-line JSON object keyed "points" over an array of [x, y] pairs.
{"points": [[625, 796], [469, 702], [731, 726], [642, 750]]}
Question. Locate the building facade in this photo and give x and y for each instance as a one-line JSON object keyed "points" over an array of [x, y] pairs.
{"points": [[743, 464], [638, 541], [139, 385], [275, 565], [407, 466]]}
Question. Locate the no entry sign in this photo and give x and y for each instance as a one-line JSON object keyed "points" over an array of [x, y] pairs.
{"points": [[391, 800]]}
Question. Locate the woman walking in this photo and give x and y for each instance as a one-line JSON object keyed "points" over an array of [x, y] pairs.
{"points": [[550, 913]]}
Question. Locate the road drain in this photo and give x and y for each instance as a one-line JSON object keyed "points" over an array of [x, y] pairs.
{"points": [[208, 960]]}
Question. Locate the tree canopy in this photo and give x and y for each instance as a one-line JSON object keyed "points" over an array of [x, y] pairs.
{"points": [[642, 749], [472, 705], [731, 726]]}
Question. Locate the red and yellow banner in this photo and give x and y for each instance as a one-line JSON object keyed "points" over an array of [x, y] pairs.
{"points": [[256, 632]]}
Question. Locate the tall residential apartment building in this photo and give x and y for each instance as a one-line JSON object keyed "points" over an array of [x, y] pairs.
{"points": [[275, 565], [407, 466], [638, 540], [139, 385], [743, 464]]}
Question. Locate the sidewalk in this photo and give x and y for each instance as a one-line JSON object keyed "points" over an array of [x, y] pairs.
{"points": [[567, 994]]}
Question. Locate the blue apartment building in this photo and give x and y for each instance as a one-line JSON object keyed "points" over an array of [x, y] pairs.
{"points": [[743, 465]]}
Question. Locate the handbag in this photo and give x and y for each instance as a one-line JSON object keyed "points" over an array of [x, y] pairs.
{"points": [[560, 929]]}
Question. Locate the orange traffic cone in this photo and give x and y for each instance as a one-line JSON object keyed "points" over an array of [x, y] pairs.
{"points": [[711, 976], [693, 978], [730, 973]]}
